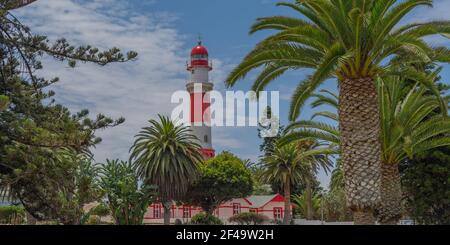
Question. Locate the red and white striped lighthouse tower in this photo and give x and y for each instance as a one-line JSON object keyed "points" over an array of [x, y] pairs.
{"points": [[198, 86]]}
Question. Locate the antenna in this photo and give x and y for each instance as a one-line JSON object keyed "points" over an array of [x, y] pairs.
{"points": [[199, 38]]}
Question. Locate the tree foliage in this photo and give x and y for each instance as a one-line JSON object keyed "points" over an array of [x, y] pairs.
{"points": [[221, 179], [301, 205], [426, 182], [57, 188], [334, 203], [128, 200], [269, 131], [100, 210], [12, 215], [167, 155], [339, 39], [40, 139], [412, 124]]}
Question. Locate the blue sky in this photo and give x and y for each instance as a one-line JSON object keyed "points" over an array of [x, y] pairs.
{"points": [[162, 32]]}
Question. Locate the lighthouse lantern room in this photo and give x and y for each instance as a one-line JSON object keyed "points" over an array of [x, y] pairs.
{"points": [[198, 86]]}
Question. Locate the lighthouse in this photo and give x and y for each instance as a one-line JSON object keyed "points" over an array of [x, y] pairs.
{"points": [[198, 86]]}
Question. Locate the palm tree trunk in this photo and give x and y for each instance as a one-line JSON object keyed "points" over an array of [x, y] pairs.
{"points": [[167, 205], [363, 217], [287, 204], [309, 204], [359, 124], [390, 211]]}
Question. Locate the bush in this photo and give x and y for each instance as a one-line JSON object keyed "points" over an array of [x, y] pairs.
{"points": [[94, 220], [205, 219], [12, 215], [101, 210], [248, 219], [49, 222]]}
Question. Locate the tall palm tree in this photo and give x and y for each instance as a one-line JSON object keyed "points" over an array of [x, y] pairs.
{"points": [[302, 204], [315, 163], [289, 166], [167, 155], [355, 42], [410, 126]]}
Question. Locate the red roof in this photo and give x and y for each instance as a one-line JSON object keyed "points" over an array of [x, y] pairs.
{"points": [[199, 50], [261, 201]]}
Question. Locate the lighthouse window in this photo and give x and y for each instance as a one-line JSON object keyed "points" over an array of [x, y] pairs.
{"points": [[200, 56], [206, 138]]}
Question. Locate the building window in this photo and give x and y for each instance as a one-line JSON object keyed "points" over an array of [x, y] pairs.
{"points": [[205, 138], [186, 212], [277, 213], [157, 211], [236, 208], [252, 210], [173, 211]]}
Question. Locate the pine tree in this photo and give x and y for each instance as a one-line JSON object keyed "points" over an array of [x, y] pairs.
{"points": [[35, 132]]}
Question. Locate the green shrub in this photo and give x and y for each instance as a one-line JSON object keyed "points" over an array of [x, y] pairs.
{"points": [[100, 210], [248, 219], [49, 222], [94, 220], [12, 215], [205, 219]]}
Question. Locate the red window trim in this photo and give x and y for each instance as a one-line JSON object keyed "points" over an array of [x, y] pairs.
{"points": [[173, 211], [190, 212], [155, 207], [275, 211], [239, 208]]}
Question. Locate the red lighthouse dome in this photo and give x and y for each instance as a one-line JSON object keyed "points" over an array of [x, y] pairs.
{"points": [[199, 57], [199, 50]]}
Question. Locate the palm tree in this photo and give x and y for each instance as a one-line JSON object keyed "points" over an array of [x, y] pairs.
{"points": [[337, 178], [302, 204], [410, 126], [289, 166], [283, 167], [355, 42], [167, 156], [315, 164]]}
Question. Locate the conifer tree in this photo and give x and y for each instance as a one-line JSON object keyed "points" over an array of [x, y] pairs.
{"points": [[35, 132]]}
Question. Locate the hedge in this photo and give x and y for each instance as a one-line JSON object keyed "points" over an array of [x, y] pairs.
{"points": [[12, 215]]}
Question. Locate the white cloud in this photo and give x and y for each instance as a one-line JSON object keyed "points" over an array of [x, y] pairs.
{"points": [[136, 90], [223, 137]]}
